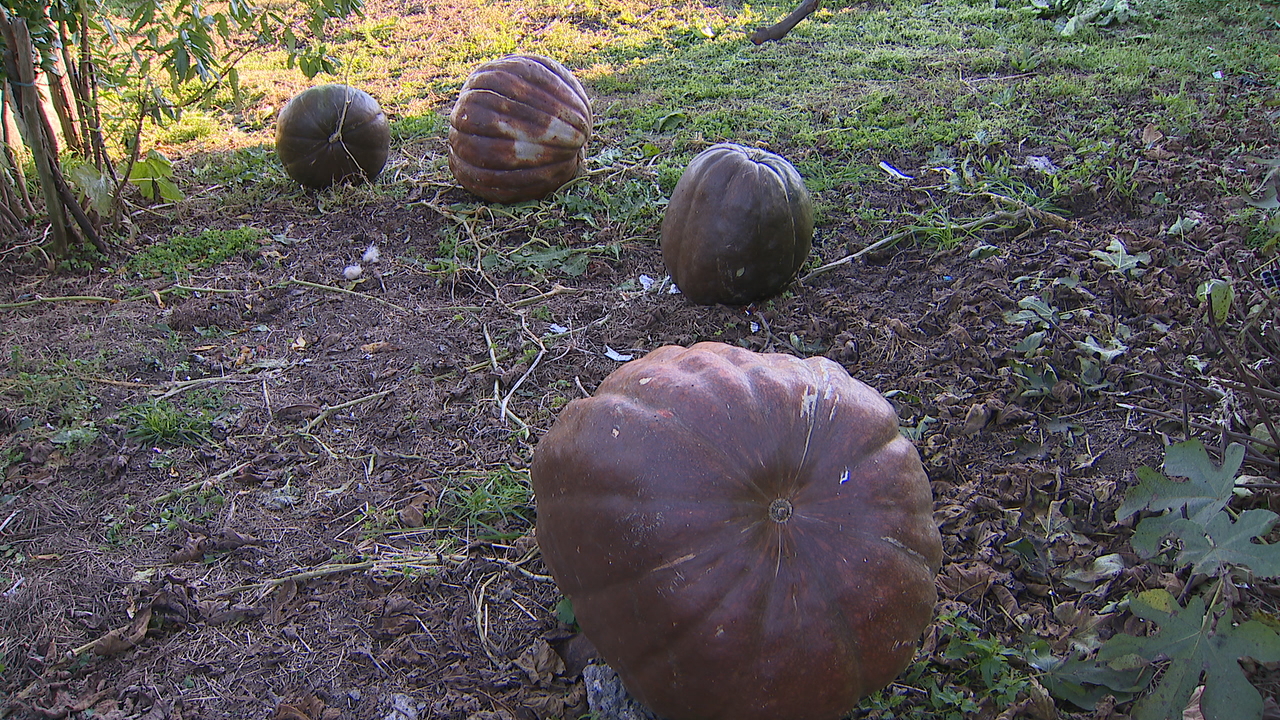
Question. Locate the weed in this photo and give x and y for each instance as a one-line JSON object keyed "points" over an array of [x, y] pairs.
{"points": [[1116, 259], [157, 422], [1194, 529], [496, 505], [992, 674], [183, 253]]}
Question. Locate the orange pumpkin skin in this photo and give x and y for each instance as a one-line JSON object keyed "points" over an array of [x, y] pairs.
{"points": [[743, 536], [519, 129], [331, 133], [738, 227]]}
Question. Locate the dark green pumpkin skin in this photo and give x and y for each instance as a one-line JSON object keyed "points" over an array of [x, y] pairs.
{"points": [[739, 226], [743, 536], [332, 133], [519, 129]]}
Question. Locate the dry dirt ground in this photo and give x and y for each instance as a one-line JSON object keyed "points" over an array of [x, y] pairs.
{"points": [[355, 540]]}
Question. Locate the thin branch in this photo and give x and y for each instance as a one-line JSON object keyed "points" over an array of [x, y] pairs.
{"points": [[192, 487], [322, 571], [1243, 374], [1238, 436], [331, 410], [63, 298], [557, 290], [779, 30], [344, 291], [992, 219]]}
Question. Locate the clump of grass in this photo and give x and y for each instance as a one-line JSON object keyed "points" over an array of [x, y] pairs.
{"points": [[157, 422], [183, 253], [496, 505]]}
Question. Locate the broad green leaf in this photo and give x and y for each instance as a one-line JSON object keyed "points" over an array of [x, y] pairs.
{"points": [[1207, 489], [1108, 353], [95, 186], [1120, 261], [1084, 682], [1219, 294], [1213, 547], [1199, 650]]}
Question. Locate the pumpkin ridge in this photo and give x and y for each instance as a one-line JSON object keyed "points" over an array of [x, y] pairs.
{"points": [[466, 124], [571, 105], [491, 153]]}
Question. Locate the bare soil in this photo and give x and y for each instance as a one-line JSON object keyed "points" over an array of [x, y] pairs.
{"points": [[308, 563]]}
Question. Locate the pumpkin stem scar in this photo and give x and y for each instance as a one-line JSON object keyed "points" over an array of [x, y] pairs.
{"points": [[780, 510]]}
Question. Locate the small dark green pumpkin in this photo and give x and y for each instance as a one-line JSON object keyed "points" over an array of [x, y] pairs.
{"points": [[332, 133], [739, 226]]}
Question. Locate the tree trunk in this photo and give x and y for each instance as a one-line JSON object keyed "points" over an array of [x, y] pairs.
{"points": [[781, 28], [22, 82]]}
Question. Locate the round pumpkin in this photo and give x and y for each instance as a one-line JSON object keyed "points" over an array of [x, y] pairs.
{"points": [[743, 536], [330, 133], [738, 227], [519, 129]]}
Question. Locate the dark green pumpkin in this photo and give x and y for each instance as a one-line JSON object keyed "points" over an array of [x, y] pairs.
{"points": [[739, 226], [332, 133]]}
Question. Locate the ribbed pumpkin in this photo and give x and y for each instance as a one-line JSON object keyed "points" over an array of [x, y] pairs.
{"points": [[519, 129], [743, 536], [738, 227], [331, 133]]}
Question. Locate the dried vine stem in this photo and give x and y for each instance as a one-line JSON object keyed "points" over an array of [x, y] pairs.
{"points": [[344, 291], [63, 298], [1233, 435], [329, 411], [1242, 373], [192, 487], [995, 218]]}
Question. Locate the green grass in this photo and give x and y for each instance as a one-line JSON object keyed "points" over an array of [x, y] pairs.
{"points": [[852, 85], [184, 253], [158, 422], [493, 505]]}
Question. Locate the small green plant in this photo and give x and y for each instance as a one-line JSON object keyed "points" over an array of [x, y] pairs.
{"points": [[183, 253], [495, 505], [1037, 311], [990, 672], [1116, 259], [1199, 643], [158, 422]]}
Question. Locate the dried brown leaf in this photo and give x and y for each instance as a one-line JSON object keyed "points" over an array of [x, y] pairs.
{"points": [[124, 638], [540, 663]]}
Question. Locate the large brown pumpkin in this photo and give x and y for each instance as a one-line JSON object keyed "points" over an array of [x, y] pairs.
{"points": [[743, 536], [739, 226], [331, 133], [519, 129]]}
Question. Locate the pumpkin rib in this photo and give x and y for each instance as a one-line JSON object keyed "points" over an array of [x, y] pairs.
{"points": [[543, 96], [488, 127], [511, 185], [487, 153]]}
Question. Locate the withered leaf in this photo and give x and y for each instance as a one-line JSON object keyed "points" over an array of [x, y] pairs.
{"points": [[192, 551], [124, 638], [307, 708], [541, 663], [282, 601]]}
